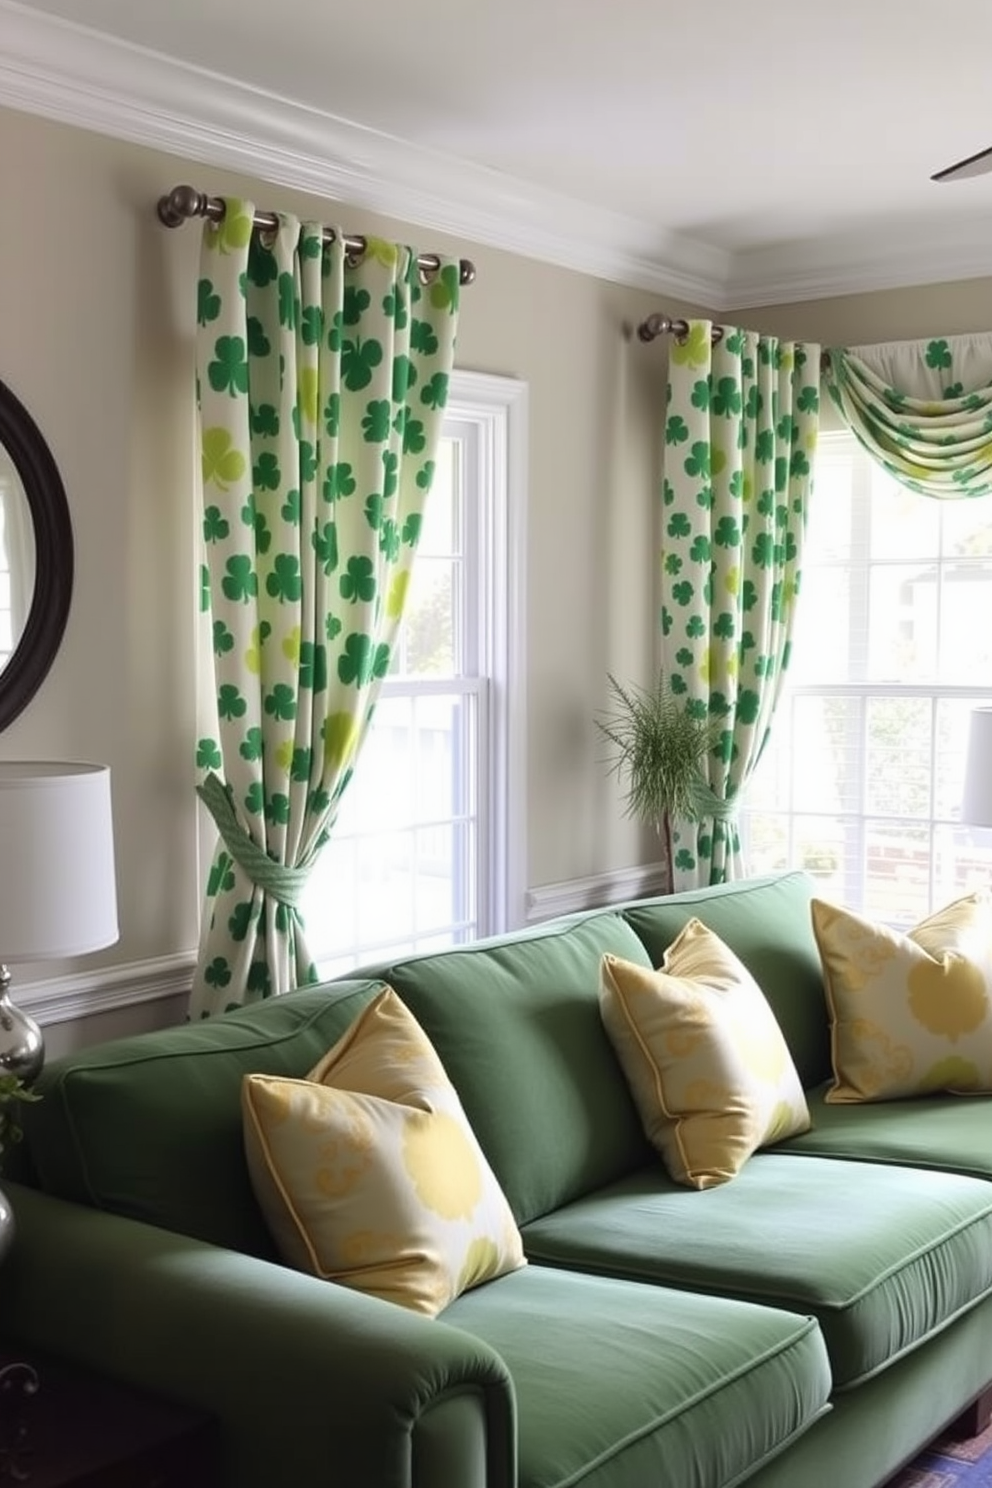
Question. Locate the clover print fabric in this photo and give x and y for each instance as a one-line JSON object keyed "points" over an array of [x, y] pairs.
{"points": [[740, 434], [321, 388], [923, 409]]}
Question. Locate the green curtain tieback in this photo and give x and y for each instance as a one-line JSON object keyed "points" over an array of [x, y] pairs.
{"points": [[709, 804], [284, 884]]}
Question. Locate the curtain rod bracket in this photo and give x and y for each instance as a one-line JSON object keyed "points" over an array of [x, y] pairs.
{"points": [[184, 202]]}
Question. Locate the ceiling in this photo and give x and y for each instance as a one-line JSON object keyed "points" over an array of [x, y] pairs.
{"points": [[732, 154]]}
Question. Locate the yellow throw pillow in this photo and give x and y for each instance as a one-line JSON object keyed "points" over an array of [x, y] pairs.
{"points": [[705, 1058], [910, 1014], [369, 1174]]}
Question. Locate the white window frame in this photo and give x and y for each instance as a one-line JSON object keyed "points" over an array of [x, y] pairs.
{"points": [[490, 413], [861, 687], [494, 409]]}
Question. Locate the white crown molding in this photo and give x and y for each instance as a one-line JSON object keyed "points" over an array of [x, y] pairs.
{"points": [[107, 989], [900, 258], [78, 76]]}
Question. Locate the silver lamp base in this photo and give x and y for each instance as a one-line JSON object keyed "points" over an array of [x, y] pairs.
{"points": [[22, 1046]]}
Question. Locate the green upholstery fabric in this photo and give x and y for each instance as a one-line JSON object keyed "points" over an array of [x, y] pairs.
{"points": [[882, 1256], [874, 1430], [620, 1385], [515, 1020], [766, 922], [312, 1385], [949, 1132], [150, 1126]]}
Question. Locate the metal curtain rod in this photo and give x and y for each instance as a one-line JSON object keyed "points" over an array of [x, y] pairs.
{"points": [[660, 325], [184, 202]]}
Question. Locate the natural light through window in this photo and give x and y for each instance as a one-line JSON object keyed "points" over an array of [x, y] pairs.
{"points": [[861, 780], [421, 854]]}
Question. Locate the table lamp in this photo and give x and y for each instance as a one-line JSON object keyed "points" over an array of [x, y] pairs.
{"points": [[58, 894], [976, 800]]}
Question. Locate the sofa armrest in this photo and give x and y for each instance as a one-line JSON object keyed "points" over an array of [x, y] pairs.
{"points": [[311, 1382]]}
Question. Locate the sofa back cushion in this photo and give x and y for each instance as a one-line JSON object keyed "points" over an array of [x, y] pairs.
{"points": [[767, 923], [151, 1127], [516, 1023]]}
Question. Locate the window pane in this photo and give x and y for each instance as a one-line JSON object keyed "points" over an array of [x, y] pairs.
{"points": [[823, 652], [830, 526], [965, 637], [902, 524], [897, 756], [861, 781], [428, 635], [897, 887], [967, 527], [428, 623], [827, 735], [902, 622]]}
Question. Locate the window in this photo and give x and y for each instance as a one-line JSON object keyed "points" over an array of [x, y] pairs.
{"points": [[431, 860], [862, 776]]}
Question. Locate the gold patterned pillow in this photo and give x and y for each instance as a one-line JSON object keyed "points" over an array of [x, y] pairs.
{"points": [[910, 1014], [705, 1058], [369, 1174]]}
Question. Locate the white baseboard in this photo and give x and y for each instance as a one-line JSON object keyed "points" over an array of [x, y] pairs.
{"points": [[107, 989], [590, 893]]}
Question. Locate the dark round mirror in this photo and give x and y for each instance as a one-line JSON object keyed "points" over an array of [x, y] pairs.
{"points": [[36, 557]]}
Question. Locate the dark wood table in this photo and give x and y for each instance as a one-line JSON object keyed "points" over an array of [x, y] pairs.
{"points": [[64, 1427]]}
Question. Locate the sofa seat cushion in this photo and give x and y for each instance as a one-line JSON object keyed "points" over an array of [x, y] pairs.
{"points": [[619, 1385], [947, 1132], [884, 1257], [515, 1022]]}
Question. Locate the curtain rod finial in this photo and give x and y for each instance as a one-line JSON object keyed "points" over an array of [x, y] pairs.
{"points": [[181, 203]]}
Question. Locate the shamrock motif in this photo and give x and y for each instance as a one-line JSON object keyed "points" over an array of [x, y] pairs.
{"points": [[229, 369], [373, 353], [223, 464]]}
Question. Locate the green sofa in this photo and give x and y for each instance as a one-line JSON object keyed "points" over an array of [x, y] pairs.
{"points": [[813, 1322]]}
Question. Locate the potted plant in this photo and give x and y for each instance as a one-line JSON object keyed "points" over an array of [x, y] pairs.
{"points": [[12, 1091], [658, 750]]}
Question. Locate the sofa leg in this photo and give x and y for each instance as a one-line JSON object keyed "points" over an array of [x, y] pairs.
{"points": [[977, 1418]]}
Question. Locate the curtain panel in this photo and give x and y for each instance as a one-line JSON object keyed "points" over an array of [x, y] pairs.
{"points": [[740, 434], [922, 409], [322, 382]]}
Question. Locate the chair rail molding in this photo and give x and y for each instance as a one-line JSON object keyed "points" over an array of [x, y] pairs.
{"points": [[597, 892], [107, 989]]}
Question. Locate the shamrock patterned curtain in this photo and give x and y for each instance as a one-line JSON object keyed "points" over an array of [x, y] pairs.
{"points": [[741, 429], [923, 409], [321, 383]]}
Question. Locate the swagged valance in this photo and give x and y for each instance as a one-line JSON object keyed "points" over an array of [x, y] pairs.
{"points": [[923, 409]]}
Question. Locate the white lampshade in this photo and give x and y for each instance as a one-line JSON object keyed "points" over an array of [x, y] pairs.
{"points": [[976, 802], [58, 893]]}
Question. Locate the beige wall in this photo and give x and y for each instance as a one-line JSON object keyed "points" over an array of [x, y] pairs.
{"points": [[96, 334], [96, 337]]}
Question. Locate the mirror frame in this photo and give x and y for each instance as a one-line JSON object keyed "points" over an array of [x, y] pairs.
{"points": [[39, 641]]}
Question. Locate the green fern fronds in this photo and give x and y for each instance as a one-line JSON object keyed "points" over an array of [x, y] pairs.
{"points": [[658, 751]]}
